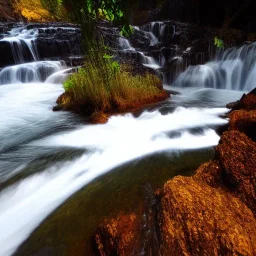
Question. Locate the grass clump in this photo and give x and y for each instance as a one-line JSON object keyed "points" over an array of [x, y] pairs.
{"points": [[109, 88]]}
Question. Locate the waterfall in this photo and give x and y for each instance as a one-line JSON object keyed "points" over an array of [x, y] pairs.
{"points": [[21, 38], [124, 44], [234, 69], [161, 58], [30, 72]]}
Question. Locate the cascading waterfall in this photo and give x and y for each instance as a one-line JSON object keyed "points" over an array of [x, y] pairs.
{"points": [[31, 72], [19, 39], [234, 69], [30, 130], [155, 33]]}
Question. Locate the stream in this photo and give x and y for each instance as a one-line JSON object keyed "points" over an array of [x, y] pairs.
{"points": [[59, 175]]}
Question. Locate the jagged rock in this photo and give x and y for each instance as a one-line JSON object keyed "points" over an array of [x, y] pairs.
{"points": [[247, 102]]}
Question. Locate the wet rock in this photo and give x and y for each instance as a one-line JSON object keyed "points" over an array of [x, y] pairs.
{"points": [[6, 54], [99, 118]]}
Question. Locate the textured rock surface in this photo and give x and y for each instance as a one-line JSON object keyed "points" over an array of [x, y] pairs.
{"points": [[119, 236], [212, 212], [197, 219], [237, 154]]}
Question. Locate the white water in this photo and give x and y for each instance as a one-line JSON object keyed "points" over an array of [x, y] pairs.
{"points": [[122, 139], [235, 69], [31, 72], [124, 44], [147, 61], [19, 38]]}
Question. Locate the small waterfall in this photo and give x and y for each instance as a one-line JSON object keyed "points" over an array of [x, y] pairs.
{"points": [[59, 77], [153, 39], [21, 39], [124, 44], [33, 42], [31, 72], [164, 58], [147, 61], [234, 69]]}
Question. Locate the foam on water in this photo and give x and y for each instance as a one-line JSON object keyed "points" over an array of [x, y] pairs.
{"points": [[124, 138]]}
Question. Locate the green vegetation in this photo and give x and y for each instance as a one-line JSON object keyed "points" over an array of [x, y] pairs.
{"points": [[53, 6], [109, 88], [218, 42], [103, 86]]}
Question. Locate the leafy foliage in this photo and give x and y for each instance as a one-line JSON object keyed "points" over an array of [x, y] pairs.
{"points": [[218, 42], [53, 6], [127, 31]]}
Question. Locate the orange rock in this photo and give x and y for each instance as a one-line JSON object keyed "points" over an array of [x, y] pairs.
{"points": [[99, 118], [237, 156], [244, 121], [197, 219], [119, 236]]}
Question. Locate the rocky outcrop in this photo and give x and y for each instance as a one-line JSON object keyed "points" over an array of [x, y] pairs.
{"points": [[211, 213], [197, 219]]}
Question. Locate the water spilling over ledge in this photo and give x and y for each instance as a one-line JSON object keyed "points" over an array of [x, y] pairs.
{"points": [[234, 69]]}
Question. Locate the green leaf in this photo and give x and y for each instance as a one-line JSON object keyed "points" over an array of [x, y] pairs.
{"points": [[107, 57]]}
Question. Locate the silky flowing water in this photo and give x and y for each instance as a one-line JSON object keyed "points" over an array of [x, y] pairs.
{"points": [[60, 176]]}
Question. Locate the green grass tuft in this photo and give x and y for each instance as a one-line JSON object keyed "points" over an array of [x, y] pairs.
{"points": [[107, 87]]}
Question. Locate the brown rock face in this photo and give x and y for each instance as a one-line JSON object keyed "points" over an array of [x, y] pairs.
{"points": [[197, 219], [119, 236], [6, 11], [244, 121], [214, 211], [247, 102], [237, 154]]}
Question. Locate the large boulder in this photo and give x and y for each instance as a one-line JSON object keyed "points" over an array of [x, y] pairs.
{"points": [[197, 219]]}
